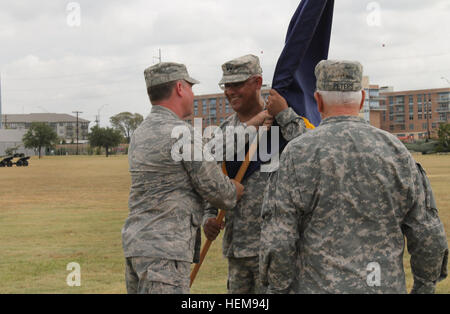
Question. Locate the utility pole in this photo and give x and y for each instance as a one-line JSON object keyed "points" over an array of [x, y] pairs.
{"points": [[428, 119], [159, 58], [77, 112]]}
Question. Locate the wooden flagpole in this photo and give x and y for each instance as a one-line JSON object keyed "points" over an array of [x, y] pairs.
{"points": [[240, 175]]}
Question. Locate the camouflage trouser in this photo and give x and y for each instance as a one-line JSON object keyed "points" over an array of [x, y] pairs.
{"points": [[243, 276], [146, 275]]}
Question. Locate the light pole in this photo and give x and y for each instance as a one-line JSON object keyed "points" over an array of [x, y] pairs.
{"points": [[77, 112], [159, 58]]}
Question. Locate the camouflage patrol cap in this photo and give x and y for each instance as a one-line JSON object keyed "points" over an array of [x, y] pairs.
{"points": [[339, 76], [165, 72], [240, 69]]}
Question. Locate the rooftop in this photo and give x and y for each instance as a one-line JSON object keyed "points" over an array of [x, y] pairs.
{"points": [[41, 117]]}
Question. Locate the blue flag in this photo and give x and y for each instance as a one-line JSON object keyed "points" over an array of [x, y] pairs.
{"points": [[307, 43]]}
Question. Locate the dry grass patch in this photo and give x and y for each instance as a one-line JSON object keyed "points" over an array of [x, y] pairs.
{"points": [[71, 209]]}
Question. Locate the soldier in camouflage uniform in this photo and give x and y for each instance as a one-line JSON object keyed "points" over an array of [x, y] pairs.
{"points": [[242, 82], [345, 196], [166, 196]]}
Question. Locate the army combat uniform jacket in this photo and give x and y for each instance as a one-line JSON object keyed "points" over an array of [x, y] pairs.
{"points": [[337, 211], [243, 223], [166, 196]]}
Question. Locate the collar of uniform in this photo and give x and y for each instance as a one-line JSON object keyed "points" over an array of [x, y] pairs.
{"points": [[337, 119], [164, 111], [237, 122]]}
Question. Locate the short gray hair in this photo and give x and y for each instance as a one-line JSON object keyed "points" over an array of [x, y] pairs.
{"points": [[341, 98]]}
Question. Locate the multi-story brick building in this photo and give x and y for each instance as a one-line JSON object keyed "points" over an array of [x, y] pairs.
{"points": [[213, 109], [403, 113], [64, 125], [415, 113]]}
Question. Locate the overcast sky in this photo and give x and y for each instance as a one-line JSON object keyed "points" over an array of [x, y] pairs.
{"points": [[53, 59]]}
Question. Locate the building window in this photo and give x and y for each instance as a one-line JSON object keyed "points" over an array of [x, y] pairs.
{"points": [[212, 108], [400, 99], [227, 106], [411, 116], [444, 97], [391, 127], [411, 126], [204, 106], [391, 100], [195, 108]]}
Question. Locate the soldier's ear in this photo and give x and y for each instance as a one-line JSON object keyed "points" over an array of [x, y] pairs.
{"points": [[319, 101], [259, 81], [179, 89], [363, 92]]}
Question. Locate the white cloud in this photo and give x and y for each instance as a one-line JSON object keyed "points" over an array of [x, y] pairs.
{"points": [[48, 64]]}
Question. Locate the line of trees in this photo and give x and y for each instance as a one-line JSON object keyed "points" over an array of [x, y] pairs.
{"points": [[444, 138], [104, 137], [126, 123], [41, 135]]}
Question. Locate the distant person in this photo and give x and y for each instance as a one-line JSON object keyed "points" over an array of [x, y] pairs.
{"points": [[162, 233], [345, 196], [242, 82]]}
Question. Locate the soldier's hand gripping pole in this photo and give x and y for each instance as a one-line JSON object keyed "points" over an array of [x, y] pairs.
{"points": [[240, 175]]}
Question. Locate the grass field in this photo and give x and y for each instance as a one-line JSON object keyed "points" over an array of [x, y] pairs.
{"points": [[71, 209]]}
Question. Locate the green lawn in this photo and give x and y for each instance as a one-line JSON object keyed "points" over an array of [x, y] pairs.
{"points": [[71, 209]]}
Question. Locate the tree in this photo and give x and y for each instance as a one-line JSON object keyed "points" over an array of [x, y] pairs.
{"points": [[126, 123], [444, 138], [40, 135], [104, 137]]}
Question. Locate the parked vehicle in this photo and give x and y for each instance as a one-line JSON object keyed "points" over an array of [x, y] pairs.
{"points": [[8, 161]]}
